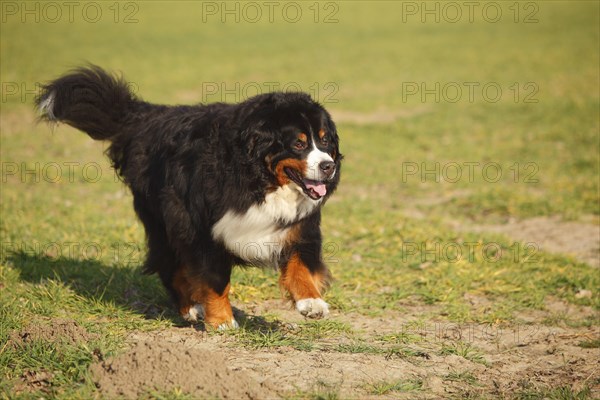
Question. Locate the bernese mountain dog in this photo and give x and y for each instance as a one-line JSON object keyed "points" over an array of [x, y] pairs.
{"points": [[214, 185]]}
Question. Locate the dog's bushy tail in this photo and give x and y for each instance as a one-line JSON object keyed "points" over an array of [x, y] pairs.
{"points": [[89, 99]]}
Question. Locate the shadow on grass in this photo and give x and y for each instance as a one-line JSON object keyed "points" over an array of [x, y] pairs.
{"points": [[247, 322], [257, 323], [123, 285], [126, 286]]}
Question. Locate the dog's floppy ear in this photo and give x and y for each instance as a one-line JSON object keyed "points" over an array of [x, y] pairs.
{"points": [[257, 140], [335, 140]]}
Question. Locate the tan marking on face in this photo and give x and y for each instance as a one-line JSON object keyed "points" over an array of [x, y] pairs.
{"points": [[303, 137], [322, 134], [293, 163]]}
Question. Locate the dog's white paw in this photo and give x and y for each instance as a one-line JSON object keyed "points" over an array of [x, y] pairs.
{"points": [[228, 325], [195, 313], [312, 308]]}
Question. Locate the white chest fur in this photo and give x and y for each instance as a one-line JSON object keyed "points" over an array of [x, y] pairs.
{"points": [[256, 235]]}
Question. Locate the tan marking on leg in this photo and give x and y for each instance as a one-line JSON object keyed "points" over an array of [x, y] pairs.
{"points": [[217, 307], [298, 281], [322, 280], [193, 290]]}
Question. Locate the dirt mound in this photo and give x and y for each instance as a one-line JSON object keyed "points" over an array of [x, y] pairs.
{"points": [[52, 330], [581, 240], [165, 365]]}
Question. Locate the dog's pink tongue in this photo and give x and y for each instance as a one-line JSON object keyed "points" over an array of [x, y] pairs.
{"points": [[319, 188]]}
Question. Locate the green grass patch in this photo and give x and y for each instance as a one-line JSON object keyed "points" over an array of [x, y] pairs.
{"points": [[404, 385], [259, 332], [400, 338], [589, 344], [558, 393], [461, 376], [465, 350]]}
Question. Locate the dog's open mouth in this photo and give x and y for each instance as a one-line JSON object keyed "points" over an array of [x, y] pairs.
{"points": [[313, 189]]}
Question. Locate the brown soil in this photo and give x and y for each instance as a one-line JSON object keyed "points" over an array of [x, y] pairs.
{"points": [[51, 330], [175, 361], [578, 239], [500, 360]]}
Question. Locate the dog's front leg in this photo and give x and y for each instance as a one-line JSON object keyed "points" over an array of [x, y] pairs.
{"points": [[305, 284]]}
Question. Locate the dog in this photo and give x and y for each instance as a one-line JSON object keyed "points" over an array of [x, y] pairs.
{"points": [[214, 185]]}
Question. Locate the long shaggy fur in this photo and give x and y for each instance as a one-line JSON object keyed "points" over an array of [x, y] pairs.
{"points": [[187, 166]]}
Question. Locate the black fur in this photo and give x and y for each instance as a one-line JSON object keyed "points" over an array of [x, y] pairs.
{"points": [[188, 165]]}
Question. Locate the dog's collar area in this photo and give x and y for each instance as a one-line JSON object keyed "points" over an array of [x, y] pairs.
{"points": [[313, 189]]}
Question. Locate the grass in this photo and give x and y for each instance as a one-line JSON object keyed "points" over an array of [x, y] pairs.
{"points": [[71, 245], [589, 344], [558, 393], [401, 338], [465, 350], [320, 391], [462, 376], [259, 333], [405, 385]]}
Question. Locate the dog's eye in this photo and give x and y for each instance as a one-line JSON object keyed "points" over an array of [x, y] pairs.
{"points": [[300, 145], [324, 141]]}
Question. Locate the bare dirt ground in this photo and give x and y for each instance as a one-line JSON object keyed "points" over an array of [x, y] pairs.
{"points": [[483, 360], [580, 239], [58, 330], [175, 359]]}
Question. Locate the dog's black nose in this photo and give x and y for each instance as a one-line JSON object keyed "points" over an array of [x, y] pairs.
{"points": [[328, 168]]}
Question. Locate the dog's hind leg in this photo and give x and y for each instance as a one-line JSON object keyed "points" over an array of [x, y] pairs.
{"points": [[202, 298]]}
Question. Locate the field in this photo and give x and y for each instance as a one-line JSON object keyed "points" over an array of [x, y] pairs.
{"points": [[464, 237]]}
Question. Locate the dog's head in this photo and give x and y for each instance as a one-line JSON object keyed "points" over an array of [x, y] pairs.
{"points": [[296, 140]]}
